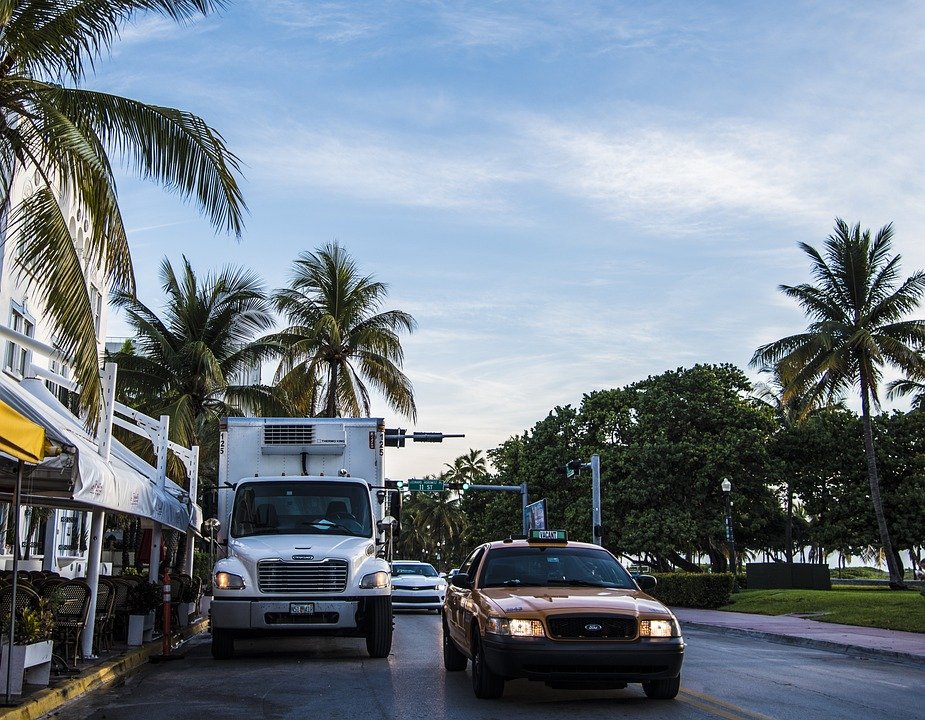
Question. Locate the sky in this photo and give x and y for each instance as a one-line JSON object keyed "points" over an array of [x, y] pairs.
{"points": [[567, 196]]}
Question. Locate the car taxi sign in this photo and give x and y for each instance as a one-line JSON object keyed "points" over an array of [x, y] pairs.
{"points": [[547, 536]]}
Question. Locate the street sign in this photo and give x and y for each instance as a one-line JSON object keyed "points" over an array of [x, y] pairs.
{"points": [[426, 486]]}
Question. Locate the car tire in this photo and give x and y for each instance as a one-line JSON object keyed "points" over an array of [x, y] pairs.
{"points": [[453, 659], [662, 689], [486, 684], [222, 644], [379, 626]]}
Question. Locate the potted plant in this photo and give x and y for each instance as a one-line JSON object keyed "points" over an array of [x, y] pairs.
{"points": [[143, 598], [188, 600], [30, 656]]}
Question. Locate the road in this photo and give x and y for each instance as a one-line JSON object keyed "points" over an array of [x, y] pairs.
{"points": [[733, 678]]}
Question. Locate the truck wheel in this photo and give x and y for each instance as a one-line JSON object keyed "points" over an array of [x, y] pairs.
{"points": [[222, 644], [379, 626], [453, 659], [485, 683], [662, 689]]}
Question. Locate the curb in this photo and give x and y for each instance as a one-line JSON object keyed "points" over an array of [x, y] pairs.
{"points": [[94, 678], [857, 650]]}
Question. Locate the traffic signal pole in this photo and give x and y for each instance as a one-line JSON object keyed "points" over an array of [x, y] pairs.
{"points": [[522, 489], [596, 500]]}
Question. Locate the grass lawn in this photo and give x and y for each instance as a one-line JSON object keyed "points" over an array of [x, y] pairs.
{"points": [[865, 606]]}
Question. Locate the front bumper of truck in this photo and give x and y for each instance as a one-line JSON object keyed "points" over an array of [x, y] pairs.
{"points": [[262, 616]]}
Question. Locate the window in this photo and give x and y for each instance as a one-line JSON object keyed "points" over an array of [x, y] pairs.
{"points": [[96, 304], [17, 357]]}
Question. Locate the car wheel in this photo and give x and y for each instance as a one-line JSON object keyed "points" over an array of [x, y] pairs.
{"points": [[222, 644], [379, 626], [485, 683], [662, 689], [453, 659]]}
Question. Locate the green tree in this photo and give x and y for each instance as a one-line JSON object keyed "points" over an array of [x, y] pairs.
{"points": [[65, 133], [469, 468], [857, 308], [186, 363], [338, 339]]}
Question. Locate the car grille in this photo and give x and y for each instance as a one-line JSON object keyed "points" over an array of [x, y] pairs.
{"points": [[275, 576], [415, 598], [582, 627]]}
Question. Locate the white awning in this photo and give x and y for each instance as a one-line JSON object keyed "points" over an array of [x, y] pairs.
{"points": [[126, 484]]}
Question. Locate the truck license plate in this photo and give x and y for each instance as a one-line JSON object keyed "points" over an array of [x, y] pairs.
{"points": [[301, 608]]}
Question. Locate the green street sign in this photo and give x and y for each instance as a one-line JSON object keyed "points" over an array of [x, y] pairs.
{"points": [[426, 486]]}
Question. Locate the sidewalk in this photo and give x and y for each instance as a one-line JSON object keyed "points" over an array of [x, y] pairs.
{"points": [[793, 630], [97, 675]]}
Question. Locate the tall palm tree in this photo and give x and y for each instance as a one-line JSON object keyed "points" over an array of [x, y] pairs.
{"points": [[468, 468], [909, 386], [188, 364], [65, 133], [338, 340], [857, 308]]}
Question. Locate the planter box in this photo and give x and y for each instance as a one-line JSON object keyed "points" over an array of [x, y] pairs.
{"points": [[782, 576], [140, 629], [184, 610], [30, 664]]}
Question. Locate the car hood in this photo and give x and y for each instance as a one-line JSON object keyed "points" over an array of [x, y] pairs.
{"points": [[573, 600], [400, 581]]}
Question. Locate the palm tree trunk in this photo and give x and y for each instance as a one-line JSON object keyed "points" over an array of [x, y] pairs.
{"points": [[330, 409], [896, 579], [788, 528]]}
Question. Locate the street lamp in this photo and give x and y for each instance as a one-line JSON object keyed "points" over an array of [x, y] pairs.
{"points": [[727, 491]]}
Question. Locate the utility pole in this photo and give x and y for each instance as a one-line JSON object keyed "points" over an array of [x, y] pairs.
{"points": [[572, 468]]}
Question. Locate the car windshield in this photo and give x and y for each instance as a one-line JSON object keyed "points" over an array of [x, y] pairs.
{"points": [[414, 569], [298, 508], [553, 566]]}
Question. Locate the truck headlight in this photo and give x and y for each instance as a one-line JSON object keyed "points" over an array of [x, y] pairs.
{"points": [[659, 628], [515, 627], [379, 579], [228, 581]]}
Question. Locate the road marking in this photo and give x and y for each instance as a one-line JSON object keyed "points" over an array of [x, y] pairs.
{"points": [[718, 707]]}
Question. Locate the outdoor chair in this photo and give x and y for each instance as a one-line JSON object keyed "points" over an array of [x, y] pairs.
{"points": [[178, 585], [71, 617], [119, 620], [26, 597], [102, 624]]}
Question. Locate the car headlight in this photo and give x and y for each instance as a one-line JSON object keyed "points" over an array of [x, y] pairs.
{"points": [[378, 579], [440, 587], [515, 627], [659, 628], [228, 581]]}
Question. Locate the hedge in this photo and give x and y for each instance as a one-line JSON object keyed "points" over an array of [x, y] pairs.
{"points": [[693, 590]]}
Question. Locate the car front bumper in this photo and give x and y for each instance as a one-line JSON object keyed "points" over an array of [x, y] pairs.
{"points": [[559, 661], [417, 599]]}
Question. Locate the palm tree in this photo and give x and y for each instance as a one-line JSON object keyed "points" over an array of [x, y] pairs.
{"points": [[468, 468], [856, 311], [909, 386], [187, 365], [65, 133], [338, 339]]}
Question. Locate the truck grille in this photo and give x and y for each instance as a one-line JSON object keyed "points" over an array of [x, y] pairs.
{"points": [[590, 627], [288, 434], [275, 576]]}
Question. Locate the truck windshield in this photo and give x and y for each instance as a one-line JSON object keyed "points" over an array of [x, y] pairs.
{"points": [[299, 508]]}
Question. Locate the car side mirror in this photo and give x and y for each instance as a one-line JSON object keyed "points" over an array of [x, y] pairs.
{"points": [[645, 582], [461, 580]]}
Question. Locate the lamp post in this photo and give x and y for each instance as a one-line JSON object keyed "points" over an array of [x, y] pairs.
{"points": [[727, 491]]}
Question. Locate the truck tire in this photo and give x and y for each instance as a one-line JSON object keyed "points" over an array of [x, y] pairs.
{"points": [[453, 659], [662, 689], [222, 644], [379, 626]]}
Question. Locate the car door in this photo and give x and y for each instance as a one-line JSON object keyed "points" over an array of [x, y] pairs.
{"points": [[459, 606]]}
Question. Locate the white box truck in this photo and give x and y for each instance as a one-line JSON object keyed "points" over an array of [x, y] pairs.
{"points": [[300, 504]]}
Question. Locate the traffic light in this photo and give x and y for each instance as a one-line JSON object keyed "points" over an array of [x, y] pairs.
{"points": [[572, 468], [465, 486], [395, 437]]}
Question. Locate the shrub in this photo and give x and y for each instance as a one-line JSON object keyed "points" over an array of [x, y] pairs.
{"points": [[693, 590], [32, 624], [143, 597]]}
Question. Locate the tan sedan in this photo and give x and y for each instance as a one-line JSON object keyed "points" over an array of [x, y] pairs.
{"points": [[562, 612]]}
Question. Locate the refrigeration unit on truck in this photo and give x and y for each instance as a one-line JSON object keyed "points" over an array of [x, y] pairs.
{"points": [[300, 509]]}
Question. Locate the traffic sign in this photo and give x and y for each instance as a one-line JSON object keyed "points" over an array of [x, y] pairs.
{"points": [[426, 486]]}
